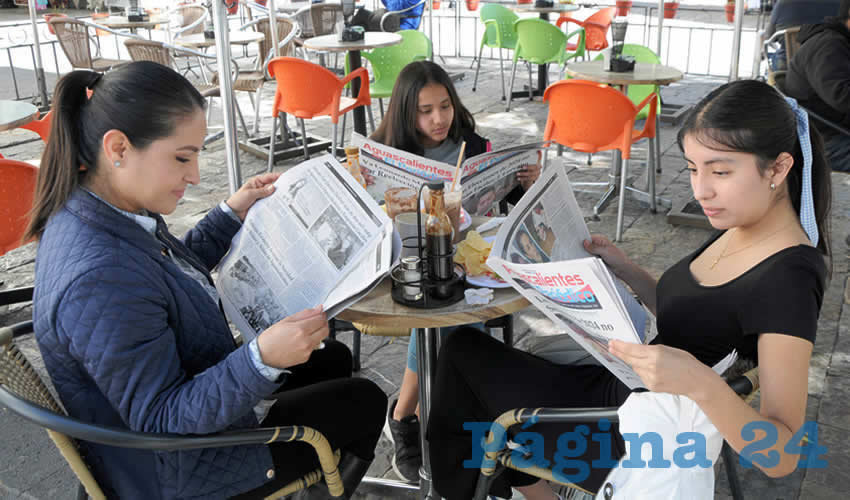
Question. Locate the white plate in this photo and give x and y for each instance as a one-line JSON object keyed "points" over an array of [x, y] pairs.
{"points": [[484, 280]]}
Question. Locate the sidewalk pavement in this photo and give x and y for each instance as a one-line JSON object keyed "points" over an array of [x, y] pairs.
{"points": [[31, 468]]}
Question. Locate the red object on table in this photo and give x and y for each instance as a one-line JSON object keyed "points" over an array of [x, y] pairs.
{"points": [[730, 11], [670, 9], [623, 7]]}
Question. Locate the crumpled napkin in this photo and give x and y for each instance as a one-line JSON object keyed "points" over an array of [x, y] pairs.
{"points": [[478, 295]]}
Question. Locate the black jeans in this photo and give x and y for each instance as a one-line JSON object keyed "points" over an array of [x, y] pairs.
{"points": [[321, 394], [478, 378]]}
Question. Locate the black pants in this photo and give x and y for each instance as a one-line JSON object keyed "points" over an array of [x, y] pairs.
{"points": [[321, 394], [478, 378]]}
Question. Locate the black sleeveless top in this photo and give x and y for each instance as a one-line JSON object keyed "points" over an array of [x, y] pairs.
{"points": [[781, 294]]}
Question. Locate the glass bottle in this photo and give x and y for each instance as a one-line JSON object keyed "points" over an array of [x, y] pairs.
{"points": [[438, 236]]}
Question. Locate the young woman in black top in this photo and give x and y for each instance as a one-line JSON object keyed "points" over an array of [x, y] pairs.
{"points": [[757, 286]]}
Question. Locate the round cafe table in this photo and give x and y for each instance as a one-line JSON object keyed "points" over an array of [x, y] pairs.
{"points": [[542, 69], [371, 40], [13, 114], [378, 309], [199, 41], [120, 23]]}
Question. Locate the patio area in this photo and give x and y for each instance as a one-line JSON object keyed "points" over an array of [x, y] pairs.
{"points": [[33, 469]]}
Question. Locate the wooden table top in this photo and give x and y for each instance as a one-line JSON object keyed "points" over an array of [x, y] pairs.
{"points": [[644, 73], [118, 22], [371, 40], [378, 308], [13, 114], [197, 40]]}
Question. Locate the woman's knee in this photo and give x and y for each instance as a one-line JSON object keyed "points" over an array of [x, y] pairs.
{"points": [[336, 356], [464, 341]]}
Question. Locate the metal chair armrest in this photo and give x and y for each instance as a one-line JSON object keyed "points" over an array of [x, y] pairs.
{"points": [[191, 25]]}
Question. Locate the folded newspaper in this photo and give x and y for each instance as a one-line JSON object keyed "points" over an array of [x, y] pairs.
{"points": [[486, 178], [539, 252], [319, 239]]}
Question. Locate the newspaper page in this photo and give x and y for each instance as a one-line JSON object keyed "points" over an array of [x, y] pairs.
{"points": [[485, 178], [297, 246], [539, 252]]}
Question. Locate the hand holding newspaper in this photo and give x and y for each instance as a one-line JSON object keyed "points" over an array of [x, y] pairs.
{"points": [[539, 252], [319, 239]]}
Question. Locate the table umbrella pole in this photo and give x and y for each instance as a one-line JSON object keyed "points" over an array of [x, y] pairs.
{"points": [[431, 27], [272, 28], [39, 68], [222, 48], [660, 26]]}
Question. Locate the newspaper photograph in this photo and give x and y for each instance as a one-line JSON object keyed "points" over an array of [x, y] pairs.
{"points": [[297, 246], [539, 252], [486, 178]]}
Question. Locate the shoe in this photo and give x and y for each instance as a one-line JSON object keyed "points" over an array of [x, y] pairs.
{"points": [[351, 468], [404, 433]]}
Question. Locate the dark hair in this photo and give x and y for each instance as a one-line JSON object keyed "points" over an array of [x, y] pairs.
{"points": [[144, 100], [398, 128], [749, 116]]}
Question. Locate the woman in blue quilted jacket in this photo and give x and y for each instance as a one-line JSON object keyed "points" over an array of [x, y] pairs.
{"points": [[128, 319]]}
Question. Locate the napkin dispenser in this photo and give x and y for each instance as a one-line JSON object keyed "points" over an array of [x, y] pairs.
{"points": [[618, 62], [350, 33], [544, 4]]}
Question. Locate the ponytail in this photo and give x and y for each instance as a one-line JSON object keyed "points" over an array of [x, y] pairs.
{"points": [[144, 100]]}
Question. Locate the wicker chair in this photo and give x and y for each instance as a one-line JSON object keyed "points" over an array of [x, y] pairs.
{"points": [[745, 385], [252, 81], [186, 20], [164, 53], [23, 392], [74, 38]]}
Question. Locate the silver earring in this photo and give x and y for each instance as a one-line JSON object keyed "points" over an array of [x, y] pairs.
{"points": [[118, 164], [772, 186]]}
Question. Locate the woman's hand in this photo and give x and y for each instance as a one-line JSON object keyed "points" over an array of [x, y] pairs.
{"points": [[613, 257], [529, 174], [256, 188], [662, 368], [292, 340]]}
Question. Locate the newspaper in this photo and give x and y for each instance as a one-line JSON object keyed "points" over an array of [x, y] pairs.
{"points": [[319, 239], [539, 252], [486, 178]]}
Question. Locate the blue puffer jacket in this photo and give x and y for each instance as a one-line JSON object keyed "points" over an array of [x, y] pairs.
{"points": [[131, 341]]}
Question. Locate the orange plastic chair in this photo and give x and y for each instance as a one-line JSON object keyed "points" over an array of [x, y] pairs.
{"points": [[17, 192], [40, 127], [590, 117], [307, 90], [595, 29]]}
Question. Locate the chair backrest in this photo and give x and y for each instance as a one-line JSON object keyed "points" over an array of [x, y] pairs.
{"points": [[387, 62], [73, 37], [325, 17], [17, 192], [304, 89], [589, 117], [148, 50], [40, 127], [792, 43], [284, 26], [539, 41], [596, 28], [192, 13], [503, 30]]}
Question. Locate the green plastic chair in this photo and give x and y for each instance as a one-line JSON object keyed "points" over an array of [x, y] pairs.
{"points": [[499, 34], [387, 62], [637, 93], [539, 42]]}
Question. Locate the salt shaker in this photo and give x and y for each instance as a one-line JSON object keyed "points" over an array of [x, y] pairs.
{"points": [[411, 275]]}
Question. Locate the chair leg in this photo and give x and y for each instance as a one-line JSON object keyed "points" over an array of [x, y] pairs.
{"points": [[257, 111], [650, 174], [511, 89], [271, 145], [530, 84], [304, 139], [333, 140], [355, 349], [285, 133], [371, 118], [381, 107], [502, 70], [731, 473], [560, 150], [504, 323], [657, 144], [241, 118], [621, 203], [478, 68]]}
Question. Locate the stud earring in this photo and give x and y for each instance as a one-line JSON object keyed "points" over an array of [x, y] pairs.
{"points": [[118, 164], [772, 186]]}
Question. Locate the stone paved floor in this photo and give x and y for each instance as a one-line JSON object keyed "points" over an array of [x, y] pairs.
{"points": [[32, 468]]}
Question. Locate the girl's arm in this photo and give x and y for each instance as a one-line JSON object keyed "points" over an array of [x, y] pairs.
{"points": [[783, 374]]}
